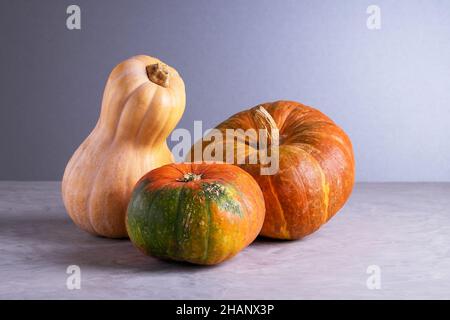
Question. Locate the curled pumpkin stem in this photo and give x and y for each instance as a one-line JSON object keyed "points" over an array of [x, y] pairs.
{"points": [[159, 74], [266, 122]]}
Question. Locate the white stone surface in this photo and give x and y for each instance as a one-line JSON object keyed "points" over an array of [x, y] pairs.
{"points": [[402, 228]]}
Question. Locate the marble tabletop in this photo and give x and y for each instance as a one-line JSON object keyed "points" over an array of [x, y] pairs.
{"points": [[390, 241]]}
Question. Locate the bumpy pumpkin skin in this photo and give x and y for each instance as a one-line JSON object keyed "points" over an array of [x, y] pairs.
{"points": [[202, 220], [316, 168], [129, 139]]}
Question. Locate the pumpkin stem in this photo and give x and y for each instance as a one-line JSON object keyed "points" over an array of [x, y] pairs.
{"points": [[187, 177], [266, 122], [158, 73]]}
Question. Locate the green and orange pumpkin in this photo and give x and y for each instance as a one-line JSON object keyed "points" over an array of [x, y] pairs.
{"points": [[199, 213]]}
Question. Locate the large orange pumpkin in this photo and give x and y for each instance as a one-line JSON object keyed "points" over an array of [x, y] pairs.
{"points": [[316, 165]]}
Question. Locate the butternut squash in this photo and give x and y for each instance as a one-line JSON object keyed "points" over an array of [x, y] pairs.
{"points": [[142, 102]]}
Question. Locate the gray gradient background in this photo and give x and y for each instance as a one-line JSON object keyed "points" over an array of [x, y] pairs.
{"points": [[388, 89]]}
